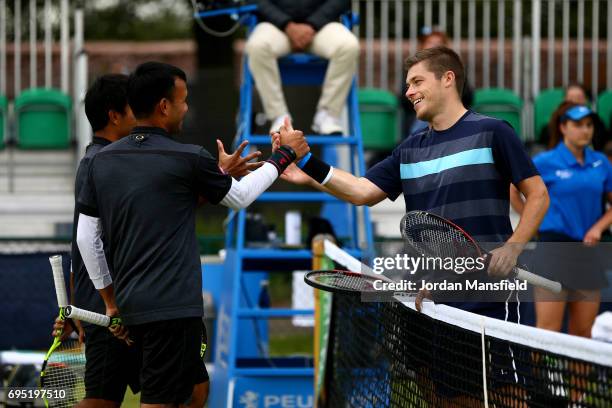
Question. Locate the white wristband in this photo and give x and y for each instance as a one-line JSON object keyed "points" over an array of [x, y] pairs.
{"points": [[329, 176]]}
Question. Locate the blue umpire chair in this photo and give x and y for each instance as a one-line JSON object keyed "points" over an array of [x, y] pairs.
{"points": [[244, 368]]}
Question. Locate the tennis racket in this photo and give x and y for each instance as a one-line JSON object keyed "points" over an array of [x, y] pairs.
{"points": [[73, 312], [345, 282], [435, 236], [63, 370]]}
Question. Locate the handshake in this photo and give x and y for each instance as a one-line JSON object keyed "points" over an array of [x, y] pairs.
{"points": [[306, 169], [287, 136]]}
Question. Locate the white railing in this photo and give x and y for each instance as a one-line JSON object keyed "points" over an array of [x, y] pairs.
{"points": [[71, 58], [33, 17], [492, 36]]}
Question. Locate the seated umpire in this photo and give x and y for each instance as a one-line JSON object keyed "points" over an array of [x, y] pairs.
{"points": [[303, 26]]}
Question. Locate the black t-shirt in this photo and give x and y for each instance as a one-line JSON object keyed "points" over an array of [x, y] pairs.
{"points": [[85, 295], [145, 190]]}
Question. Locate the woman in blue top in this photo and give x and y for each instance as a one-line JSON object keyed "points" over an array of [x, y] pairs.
{"points": [[577, 178]]}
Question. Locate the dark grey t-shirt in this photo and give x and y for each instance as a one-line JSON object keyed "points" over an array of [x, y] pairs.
{"points": [[145, 190], [85, 295]]}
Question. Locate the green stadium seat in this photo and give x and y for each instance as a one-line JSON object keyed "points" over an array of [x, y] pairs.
{"points": [[499, 103], [378, 113], [3, 119], [43, 119], [604, 107], [544, 105]]}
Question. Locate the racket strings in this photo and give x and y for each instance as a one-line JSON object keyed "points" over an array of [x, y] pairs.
{"points": [[65, 372], [434, 237], [347, 281]]}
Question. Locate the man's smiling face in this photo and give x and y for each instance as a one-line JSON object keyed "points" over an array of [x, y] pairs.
{"points": [[424, 91]]}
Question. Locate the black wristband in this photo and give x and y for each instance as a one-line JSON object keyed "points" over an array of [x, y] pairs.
{"points": [[282, 158], [317, 169]]}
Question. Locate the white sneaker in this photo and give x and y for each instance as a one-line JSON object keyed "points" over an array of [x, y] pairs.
{"points": [[326, 124], [278, 122]]}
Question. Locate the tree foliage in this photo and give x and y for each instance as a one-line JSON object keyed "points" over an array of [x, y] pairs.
{"points": [[139, 20]]}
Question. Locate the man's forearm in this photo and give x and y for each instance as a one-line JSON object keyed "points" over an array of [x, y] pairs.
{"points": [[532, 215], [516, 200], [108, 295], [504, 259], [242, 193], [89, 241], [343, 185]]}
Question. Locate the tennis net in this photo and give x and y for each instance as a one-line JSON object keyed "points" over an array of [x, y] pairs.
{"points": [[386, 354]]}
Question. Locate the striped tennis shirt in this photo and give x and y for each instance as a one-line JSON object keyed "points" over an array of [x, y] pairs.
{"points": [[462, 173]]}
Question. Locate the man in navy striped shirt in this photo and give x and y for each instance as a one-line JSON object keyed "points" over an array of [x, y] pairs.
{"points": [[460, 167]]}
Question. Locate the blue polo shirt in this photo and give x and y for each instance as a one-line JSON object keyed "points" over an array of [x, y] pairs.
{"points": [[575, 189]]}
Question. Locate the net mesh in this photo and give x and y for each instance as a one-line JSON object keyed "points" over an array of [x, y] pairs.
{"points": [[65, 371], [386, 354]]}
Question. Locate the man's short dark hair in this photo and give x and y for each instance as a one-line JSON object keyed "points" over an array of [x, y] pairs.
{"points": [[440, 60], [107, 93], [149, 84]]}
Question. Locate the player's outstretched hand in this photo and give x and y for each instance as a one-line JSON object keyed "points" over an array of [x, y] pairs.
{"points": [[294, 139], [236, 165], [293, 174]]}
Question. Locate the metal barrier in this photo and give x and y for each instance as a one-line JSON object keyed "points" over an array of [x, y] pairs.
{"points": [[392, 26], [11, 18], [501, 41]]}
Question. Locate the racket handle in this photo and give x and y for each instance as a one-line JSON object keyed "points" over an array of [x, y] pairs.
{"points": [[58, 280], [537, 280], [74, 312]]}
